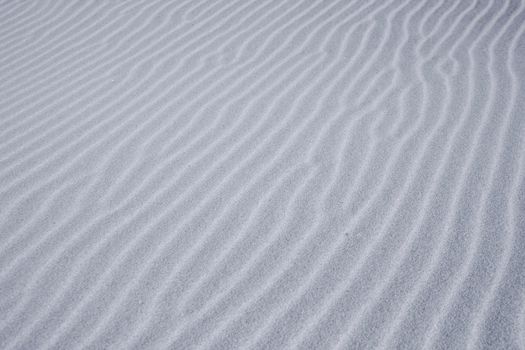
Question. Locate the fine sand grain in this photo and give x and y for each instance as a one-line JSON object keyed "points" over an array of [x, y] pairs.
{"points": [[270, 174]]}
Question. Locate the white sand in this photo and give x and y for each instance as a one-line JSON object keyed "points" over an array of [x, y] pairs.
{"points": [[268, 174]]}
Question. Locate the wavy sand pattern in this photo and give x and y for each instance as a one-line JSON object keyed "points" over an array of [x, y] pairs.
{"points": [[271, 174]]}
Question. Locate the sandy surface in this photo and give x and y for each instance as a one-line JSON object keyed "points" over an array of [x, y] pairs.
{"points": [[270, 174]]}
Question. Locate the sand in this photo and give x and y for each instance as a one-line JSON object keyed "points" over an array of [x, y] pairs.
{"points": [[269, 174]]}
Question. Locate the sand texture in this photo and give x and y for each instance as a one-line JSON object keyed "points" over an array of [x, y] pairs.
{"points": [[262, 174]]}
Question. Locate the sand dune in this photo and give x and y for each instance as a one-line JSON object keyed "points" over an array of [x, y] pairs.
{"points": [[262, 174]]}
